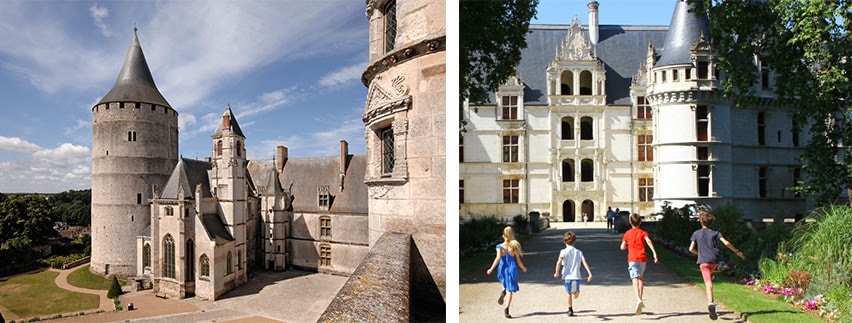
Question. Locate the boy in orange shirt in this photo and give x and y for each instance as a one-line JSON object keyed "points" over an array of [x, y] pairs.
{"points": [[634, 241]]}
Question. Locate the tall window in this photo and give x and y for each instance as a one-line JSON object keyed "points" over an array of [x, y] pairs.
{"points": [[703, 180], [761, 182], [323, 197], [702, 153], [325, 255], [643, 109], [219, 148], [701, 123], [567, 128], [795, 133], [146, 256], [703, 70], [131, 136], [190, 260], [461, 149], [586, 131], [239, 148], [325, 227], [568, 170], [761, 128], [390, 25], [510, 149], [511, 191], [461, 191], [646, 152], [587, 170], [387, 150], [510, 108], [646, 189], [170, 211], [229, 264], [138, 198], [169, 256], [205, 266]]}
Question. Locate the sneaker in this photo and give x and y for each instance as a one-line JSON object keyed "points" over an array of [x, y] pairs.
{"points": [[500, 300], [570, 312], [639, 306], [712, 309], [506, 313]]}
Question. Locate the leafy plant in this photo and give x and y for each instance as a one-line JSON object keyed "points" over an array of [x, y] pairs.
{"points": [[114, 289], [521, 223], [480, 233]]}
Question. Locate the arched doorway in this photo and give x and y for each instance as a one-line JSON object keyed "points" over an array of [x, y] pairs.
{"points": [[568, 211], [589, 208]]}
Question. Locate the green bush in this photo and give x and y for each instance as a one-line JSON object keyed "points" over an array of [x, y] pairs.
{"points": [[822, 248], [521, 223], [676, 225], [114, 289], [480, 233]]}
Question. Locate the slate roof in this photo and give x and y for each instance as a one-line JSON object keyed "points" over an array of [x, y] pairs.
{"points": [[261, 174], [622, 49], [307, 174], [215, 229], [135, 83], [686, 28], [234, 126], [188, 173]]}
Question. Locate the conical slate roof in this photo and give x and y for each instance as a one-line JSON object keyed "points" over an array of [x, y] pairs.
{"points": [[232, 125], [185, 177], [684, 29], [135, 83]]}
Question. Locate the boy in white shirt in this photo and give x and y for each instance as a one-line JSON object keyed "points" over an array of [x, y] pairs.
{"points": [[570, 259]]}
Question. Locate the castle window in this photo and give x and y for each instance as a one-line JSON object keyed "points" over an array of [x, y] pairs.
{"points": [[190, 260], [461, 149], [646, 189], [229, 264], [587, 170], [169, 257], [325, 255], [137, 105], [170, 211], [703, 70], [761, 128], [567, 80], [146, 256], [663, 76], [138, 198], [585, 83], [688, 73], [703, 180], [239, 148], [131, 136], [795, 134], [239, 259], [390, 25], [325, 227], [510, 149], [761, 182], [568, 170], [568, 128], [511, 190], [643, 109], [510, 107], [461, 191], [645, 151], [586, 131], [701, 122], [205, 266], [323, 197], [702, 153], [674, 75], [219, 148], [387, 151]]}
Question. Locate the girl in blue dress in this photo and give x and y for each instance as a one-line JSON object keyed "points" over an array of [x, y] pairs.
{"points": [[509, 259]]}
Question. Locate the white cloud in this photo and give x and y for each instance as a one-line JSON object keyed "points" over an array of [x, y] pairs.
{"points": [[185, 120], [64, 167], [344, 75], [267, 101], [17, 144], [98, 14], [81, 124]]}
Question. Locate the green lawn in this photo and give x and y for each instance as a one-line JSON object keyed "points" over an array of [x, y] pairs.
{"points": [[35, 294], [754, 306], [481, 260], [84, 278]]}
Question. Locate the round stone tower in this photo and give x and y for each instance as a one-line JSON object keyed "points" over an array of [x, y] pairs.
{"points": [[134, 149]]}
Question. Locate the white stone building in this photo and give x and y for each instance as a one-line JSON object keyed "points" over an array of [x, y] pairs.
{"points": [[627, 117]]}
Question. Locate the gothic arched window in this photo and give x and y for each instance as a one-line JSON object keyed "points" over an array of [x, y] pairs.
{"points": [[146, 256], [204, 263], [169, 256], [219, 148]]}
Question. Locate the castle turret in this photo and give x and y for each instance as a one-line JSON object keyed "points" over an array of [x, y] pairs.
{"points": [[134, 149]]}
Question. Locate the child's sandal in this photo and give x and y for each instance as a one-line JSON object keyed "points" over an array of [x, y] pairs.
{"points": [[506, 313]]}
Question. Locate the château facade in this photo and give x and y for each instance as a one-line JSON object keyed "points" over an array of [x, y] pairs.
{"points": [[629, 117]]}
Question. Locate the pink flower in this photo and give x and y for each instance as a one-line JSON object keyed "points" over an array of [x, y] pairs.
{"points": [[812, 304], [750, 282]]}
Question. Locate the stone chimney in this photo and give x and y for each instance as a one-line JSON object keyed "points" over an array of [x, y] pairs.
{"points": [[593, 22], [344, 154], [282, 159], [226, 122]]}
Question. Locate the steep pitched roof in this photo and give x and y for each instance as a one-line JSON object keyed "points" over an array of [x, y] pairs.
{"points": [[621, 48], [686, 28], [306, 174], [135, 83], [262, 176], [232, 124], [215, 229], [188, 173]]}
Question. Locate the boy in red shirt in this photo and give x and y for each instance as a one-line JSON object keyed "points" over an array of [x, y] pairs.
{"points": [[634, 241]]}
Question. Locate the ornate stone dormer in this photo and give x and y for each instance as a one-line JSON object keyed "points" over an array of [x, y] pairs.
{"points": [[510, 99], [576, 76]]}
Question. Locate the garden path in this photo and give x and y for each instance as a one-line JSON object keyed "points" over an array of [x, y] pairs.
{"points": [[61, 281]]}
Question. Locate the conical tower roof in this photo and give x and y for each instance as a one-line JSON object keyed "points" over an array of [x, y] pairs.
{"points": [[684, 29], [134, 83], [230, 124]]}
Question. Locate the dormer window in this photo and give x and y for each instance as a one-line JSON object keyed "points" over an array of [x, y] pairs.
{"points": [[323, 197]]}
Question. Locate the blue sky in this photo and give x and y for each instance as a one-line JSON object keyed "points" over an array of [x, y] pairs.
{"points": [[290, 70], [610, 12]]}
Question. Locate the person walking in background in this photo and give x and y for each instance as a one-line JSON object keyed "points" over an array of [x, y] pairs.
{"points": [[509, 259], [609, 215], [615, 220], [586, 218], [570, 259], [705, 243], [634, 241]]}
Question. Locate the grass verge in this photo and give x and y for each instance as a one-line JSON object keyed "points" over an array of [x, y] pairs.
{"points": [[481, 260], [84, 278], [754, 306], [36, 294]]}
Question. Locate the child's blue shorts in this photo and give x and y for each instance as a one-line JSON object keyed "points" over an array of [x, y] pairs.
{"points": [[572, 286]]}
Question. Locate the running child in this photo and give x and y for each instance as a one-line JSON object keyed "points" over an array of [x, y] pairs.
{"points": [[509, 259]]}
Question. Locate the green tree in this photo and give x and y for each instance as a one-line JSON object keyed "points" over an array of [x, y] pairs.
{"points": [[25, 219], [114, 288], [491, 36], [808, 45]]}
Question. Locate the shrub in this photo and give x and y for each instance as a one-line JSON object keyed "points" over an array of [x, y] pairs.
{"points": [[114, 289], [676, 225], [480, 233], [773, 273], [521, 223]]}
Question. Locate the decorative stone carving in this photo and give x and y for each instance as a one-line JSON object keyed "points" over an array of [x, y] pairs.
{"points": [[425, 47], [576, 46], [381, 102]]}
